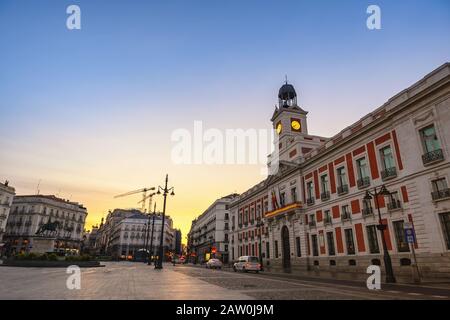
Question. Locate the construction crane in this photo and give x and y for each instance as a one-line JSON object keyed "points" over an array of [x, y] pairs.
{"points": [[144, 195], [150, 198]]}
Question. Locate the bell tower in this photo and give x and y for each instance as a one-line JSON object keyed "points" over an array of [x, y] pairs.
{"points": [[289, 121]]}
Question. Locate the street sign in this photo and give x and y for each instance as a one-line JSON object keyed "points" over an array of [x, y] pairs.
{"points": [[409, 235]]}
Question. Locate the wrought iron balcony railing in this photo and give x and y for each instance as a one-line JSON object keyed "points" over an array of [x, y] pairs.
{"points": [[394, 205], [325, 196], [346, 216], [327, 221], [312, 223], [310, 201], [389, 173], [363, 182], [440, 194], [342, 189], [433, 156], [367, 211]]}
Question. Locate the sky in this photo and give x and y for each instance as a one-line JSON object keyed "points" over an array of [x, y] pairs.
{"points": [[90, 113]]}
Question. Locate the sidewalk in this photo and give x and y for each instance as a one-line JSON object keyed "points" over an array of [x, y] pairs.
{"points": [[348, 278]]}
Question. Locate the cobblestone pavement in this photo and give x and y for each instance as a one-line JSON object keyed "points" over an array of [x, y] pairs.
{"points": [[264, 286], [117, 280]]}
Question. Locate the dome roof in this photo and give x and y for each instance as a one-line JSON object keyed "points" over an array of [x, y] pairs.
{"points": [[287, 92]]}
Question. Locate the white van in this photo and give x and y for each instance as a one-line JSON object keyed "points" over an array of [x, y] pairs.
{"points": [[247, 263]]}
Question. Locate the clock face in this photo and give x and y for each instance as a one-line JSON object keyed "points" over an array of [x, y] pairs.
{"points": [[279, 127], [295, 124]]}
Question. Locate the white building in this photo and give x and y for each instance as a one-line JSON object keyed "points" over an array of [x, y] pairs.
{"points": [[209, 234], [30, 212], [126, 232], [313, 208], [7, 194]]}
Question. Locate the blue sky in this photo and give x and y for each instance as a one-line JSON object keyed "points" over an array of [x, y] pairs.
{"points": [[109, 95]]}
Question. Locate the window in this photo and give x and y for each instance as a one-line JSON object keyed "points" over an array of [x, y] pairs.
{"points": [[330, 242], [373, 239], [268, 250], [226, 216], [324, 183], [294, 194], [297, 244], [440, 189], [350, 244], [345, 213], [327, 217], [342, 179], [315, 245], [429, 138], [282, 199], [439, 184], [361, 166], [309, 190], [445, 221], [387, 158], [402, 245], [276, 248], [312, 219]]}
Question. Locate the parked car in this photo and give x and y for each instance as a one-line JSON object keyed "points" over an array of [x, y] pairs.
{"points": [[214, 264], [247, 263], [180, 260]]}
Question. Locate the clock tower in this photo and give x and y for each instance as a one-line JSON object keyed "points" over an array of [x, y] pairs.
{"points": [[289, 121]]}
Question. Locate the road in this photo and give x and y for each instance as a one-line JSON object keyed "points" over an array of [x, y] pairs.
{"points": [[136, 281]]}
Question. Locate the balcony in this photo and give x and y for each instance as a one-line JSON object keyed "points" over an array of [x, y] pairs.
{"points": [[2, 216], [240, 225], [440, 194], [388, 173], [312, 223], [328, 221], [346, 217], [252, 221], [363, 182], [342, 189], [394, 205], [325, 196], [310, 201], [367, 211], [433, 157]]}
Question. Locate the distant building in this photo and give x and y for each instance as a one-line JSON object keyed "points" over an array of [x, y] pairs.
{"points": [[208, 236], [90, 239], [128, 231], [30, 212], [178, 248], [7, 194]]}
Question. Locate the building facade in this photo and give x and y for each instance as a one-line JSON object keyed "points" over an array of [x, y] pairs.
{"points": [[30, 212], [7, 194], [209, 234], [318, 214], [126, 232]]}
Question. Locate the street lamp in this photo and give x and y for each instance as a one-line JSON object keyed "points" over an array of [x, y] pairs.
{"points": [[148, 231], [259, 225], [386, 257], [165, 191]]}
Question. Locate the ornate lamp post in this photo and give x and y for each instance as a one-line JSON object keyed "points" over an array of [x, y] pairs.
{"points": [[386, 257], [259, 225], [165, 191]]}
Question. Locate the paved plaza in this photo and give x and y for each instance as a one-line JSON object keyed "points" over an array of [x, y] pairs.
{"points": [[127, 280]]}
